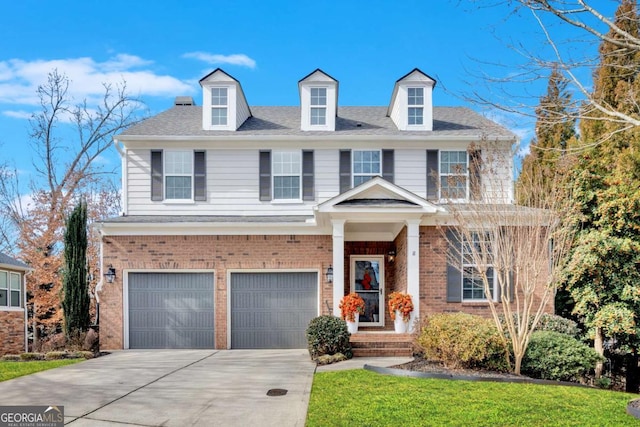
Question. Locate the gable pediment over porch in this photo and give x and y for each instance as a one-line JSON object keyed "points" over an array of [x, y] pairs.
{"points": [[376, 194], [376, 210]]}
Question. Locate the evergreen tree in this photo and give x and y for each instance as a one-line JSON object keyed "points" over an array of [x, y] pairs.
{"points": [[555, 128], [603, 276], [76, 291]]}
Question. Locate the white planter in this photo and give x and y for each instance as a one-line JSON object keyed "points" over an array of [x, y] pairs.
{"points": [[352, 327], [399, 324]]}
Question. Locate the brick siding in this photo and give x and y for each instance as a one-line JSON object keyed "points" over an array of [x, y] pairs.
{"points": [[286, 252], [12, 327], [218, 253]]}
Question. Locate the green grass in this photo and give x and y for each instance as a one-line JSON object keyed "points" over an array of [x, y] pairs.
{"points": [[9, 370], [364, 398]]}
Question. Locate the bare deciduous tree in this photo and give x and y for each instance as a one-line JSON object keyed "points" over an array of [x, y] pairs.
{"points": [[570, 32], [66, 140], [509, 255]]}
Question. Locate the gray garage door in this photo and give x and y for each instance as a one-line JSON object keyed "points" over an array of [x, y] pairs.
{"points": [[272, 310], [171, 310]]}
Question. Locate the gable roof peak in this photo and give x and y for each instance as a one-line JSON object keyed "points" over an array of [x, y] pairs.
{"points": [[419, 71], [317, 70], [218, 70]]}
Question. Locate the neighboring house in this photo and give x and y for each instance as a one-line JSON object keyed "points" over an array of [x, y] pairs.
{"points": [[13, 312], [233, 215]]}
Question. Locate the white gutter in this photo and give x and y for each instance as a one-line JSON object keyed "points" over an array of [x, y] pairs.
{"points": [[333, 136]]}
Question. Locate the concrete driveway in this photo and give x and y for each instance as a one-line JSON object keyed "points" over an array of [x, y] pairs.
{"points": [[174, 388]]}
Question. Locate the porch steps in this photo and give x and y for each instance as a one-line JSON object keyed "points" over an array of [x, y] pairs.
{"points": [[381, 344]]}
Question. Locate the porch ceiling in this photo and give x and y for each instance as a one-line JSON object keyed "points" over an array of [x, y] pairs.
{"points": [[372, 231]]}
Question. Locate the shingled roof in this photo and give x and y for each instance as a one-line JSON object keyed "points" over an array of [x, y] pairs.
{"points": [[447, 121], [7, 260]]}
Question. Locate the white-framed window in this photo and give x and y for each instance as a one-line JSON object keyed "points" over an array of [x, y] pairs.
{"points": [[178, 176], [415, 101], [454, 175], [219, 106], [472, 283], [10, 290], [366, 165], [287, 174], [318, 106]]}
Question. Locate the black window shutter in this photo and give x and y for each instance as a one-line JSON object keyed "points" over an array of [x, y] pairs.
{"points": [[265, 175], [475, 167], [308, 191], [454, 273], [345, 170], [157, 191], [433, 171], [387, 165], [200, 175]]}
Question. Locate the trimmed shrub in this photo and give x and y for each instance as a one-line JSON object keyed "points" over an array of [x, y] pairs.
{"points": [[32, 356], [556, 356], [56, 355], [328, 335], [555, 323], [461, 340], [552, 322], [11, 358]]}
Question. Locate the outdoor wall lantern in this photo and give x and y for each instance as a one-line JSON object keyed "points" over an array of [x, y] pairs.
{"points": [[110, 275], [329, 274], [392, 256]]}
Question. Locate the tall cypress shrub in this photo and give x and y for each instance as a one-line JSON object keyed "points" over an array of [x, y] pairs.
{"points": [[76, 292]]}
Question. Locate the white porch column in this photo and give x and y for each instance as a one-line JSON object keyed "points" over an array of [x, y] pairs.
{"points": [[338, 264], [413, 267]]}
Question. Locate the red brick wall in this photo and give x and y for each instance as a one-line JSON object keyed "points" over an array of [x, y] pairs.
{"points": [[433, 279], [218, 253], [12, 327]]}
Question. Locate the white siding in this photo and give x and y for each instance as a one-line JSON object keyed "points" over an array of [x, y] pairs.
{"points": [[497, 178], [233, 185], [411, 171], [232, 188], [398, 109], [326, 174], [242, 109]]}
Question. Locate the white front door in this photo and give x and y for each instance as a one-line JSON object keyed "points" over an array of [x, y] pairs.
{"points": [[367, 280]]}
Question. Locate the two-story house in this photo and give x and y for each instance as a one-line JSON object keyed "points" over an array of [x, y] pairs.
{"points": [[242, 223]]}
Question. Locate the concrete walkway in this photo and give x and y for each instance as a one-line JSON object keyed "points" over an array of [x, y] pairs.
{"points": [[174, 388]]}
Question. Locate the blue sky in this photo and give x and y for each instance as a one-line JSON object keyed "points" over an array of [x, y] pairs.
{"points": [[162, 48]]}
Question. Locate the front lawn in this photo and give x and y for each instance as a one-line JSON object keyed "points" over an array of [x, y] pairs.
{"points": [[359, 398], [9, 370]]}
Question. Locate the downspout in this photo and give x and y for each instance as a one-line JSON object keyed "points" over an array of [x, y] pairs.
{"points": [[26, 313], [123, 165], [100, 282]]}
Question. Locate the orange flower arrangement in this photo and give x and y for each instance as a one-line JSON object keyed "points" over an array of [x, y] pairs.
{"points": [[401, 302], [350, 305]]}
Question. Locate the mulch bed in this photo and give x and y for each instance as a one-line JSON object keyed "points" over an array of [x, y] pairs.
{"points": [[419, 364]]}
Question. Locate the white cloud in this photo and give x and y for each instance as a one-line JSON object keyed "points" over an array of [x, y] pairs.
{"points": [[17, 114], [19, 79], [213, 58]]}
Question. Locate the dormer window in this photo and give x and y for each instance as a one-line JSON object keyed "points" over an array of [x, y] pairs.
{"points": [[415, 101], [219, 106], [318, 106]]}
